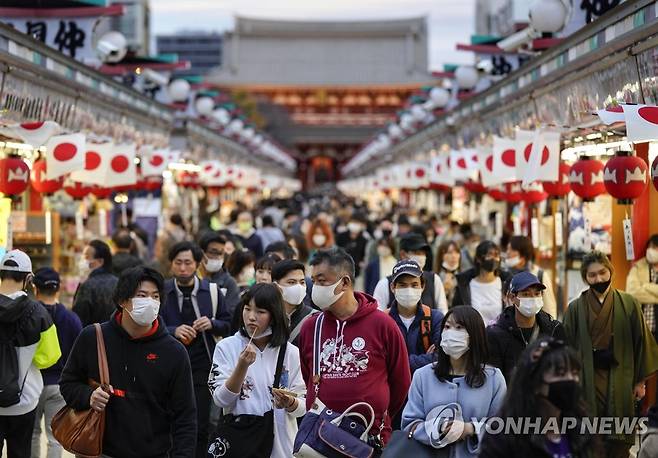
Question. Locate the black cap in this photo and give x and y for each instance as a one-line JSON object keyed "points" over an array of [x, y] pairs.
{"points": [[524, 280], [46, 277], [413, 242], [406, 267]]}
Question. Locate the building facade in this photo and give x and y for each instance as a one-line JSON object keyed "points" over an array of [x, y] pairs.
{"points": [[135, 25], [202, 50]]}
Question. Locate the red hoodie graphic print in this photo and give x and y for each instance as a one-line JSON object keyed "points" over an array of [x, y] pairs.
{"points": [[363, 359]]}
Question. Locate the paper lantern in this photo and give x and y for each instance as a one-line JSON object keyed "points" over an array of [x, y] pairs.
{"points": [[475, 187], [187, 179], [561, 187], [101, 193], [179, 90], [548, 16], [625, 176], [497, 192], [586, 178], [534, 194], [654, 173], [513, 192], [39, 182], [14, 175], [467, 77], [204, 105], [150, 184], [439, 97], [77, 190]]}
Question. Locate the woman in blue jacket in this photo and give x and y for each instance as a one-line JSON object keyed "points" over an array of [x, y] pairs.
{"points": [[448, 399]]}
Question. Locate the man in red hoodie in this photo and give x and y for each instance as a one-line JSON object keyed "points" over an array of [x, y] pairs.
{"points": [[363, 354]]}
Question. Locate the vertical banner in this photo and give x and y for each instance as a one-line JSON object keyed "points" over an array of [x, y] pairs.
{"points": [[628, 239], [102, 222], [79, 225], [48, 220], [557, 221], [534, 231], [499, 226]]}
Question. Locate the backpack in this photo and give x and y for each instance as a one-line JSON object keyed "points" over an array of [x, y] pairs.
{"points": [[10, 387]]}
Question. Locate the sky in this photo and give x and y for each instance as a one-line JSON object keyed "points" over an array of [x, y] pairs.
{"points": [[449, 21]]}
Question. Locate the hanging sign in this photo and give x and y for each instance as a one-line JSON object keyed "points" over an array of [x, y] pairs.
{"points": [[48, 220], [534, 230], [79, 225], [628, 240], [559, 239], [102, 222]]}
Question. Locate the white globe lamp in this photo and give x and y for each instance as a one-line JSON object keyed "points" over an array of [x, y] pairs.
{"points": [[467, 77], [179, 90]]}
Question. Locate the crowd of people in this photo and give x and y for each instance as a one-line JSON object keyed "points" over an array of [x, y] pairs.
{"points": [[234, 340]]}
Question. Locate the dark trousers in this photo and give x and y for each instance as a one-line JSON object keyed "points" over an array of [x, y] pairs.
{"points": [[17, 431], [203, 400]]}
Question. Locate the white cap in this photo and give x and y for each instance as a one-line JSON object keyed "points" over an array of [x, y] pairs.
{"points": [[23, 261]]}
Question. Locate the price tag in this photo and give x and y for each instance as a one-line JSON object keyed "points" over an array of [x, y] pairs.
{"points": [[588, 234], [534, 229], [79, 225], [48, 220], [628, 240], [102, 222], [559, 236]]}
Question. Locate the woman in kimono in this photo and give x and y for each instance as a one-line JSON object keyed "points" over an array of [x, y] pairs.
{"points": [[618, 352]]}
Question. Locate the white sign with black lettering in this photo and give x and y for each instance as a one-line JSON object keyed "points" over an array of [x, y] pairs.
{"points": [[559, 237], [534, 229], [628, 239]]}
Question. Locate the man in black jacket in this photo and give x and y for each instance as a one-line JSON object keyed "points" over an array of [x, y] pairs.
{"points": [[93, 299], [520, 324], [149, 404], [124, 246]]}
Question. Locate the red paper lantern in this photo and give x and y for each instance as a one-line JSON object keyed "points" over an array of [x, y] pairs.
{"points": [[561, 187], [188, 179], [513, 192], [625, 176], [475, 186], [77, 190], [534, 194], [14, 175], [586, 178], [39, 182], [437, 187], [497, 192], [101, 193], [654, 173], [150, 184]]}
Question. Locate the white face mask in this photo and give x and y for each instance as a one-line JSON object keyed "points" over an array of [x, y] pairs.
{"points": [[450, 267], [324, 297], [530, 306], [408, 297], [384, 251], [512, 262], [454, 342], [214, 265], [420, 259], [145, 310], [294, 294], [248, 275], [83, 266], [354, 228], [652, 255], [265, 333], [319, 239]]}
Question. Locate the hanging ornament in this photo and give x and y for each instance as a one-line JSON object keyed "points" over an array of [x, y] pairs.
{"points": [[101, 193], [625, 176], [654, 173], [14, 175], [497, 192], [150, 184], [535, 193], [77, 190], [561, 187], [187, 179], [476, 187], [586, 178], [39, 182], [513, 192]]}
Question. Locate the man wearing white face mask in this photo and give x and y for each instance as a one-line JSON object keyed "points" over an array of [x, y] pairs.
{"points": [[364, 355], [149, 403], [520, 324], [212, 269], [419, 324], [290, 276], [642, 283], [414, 247]]}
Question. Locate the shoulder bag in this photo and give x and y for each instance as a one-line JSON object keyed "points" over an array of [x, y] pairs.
{"points": [[81, 431]]}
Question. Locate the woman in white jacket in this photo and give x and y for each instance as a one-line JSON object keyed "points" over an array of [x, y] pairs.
{"points": [[242, 373]]}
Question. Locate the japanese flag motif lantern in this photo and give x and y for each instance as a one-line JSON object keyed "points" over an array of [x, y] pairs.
{"points": [[625, 177], [535, 193], [513, 192], [654, 173], [476, 187], [561, 187], [586, 178], [39, 181], [14, 175], [77, 190], [101, 193], [188, 179]]}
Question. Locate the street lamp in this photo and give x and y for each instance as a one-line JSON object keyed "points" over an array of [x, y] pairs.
{"points": [[467, 77]]}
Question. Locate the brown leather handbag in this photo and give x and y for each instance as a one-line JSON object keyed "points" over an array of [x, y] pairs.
{"points": [[81, 431]]}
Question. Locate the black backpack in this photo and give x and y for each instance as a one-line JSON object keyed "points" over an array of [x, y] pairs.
{"points": [[10, 388]]}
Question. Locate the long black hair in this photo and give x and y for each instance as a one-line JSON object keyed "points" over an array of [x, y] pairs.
{"points": [[478, 351], [266, 296], [546, 355]]}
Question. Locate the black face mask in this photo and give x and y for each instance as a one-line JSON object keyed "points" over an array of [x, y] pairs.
{"points": [[564, 394], [601, 286], [490, 265], [184, 280], [386, 233]]}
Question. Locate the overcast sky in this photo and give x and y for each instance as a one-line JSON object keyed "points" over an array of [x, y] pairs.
{"points": [[449, 21]]}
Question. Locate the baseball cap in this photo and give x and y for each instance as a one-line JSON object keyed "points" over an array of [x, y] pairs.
{"points": [[46, 277], [413, 242], [20, 262], [523, 281], [406, 267]]}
